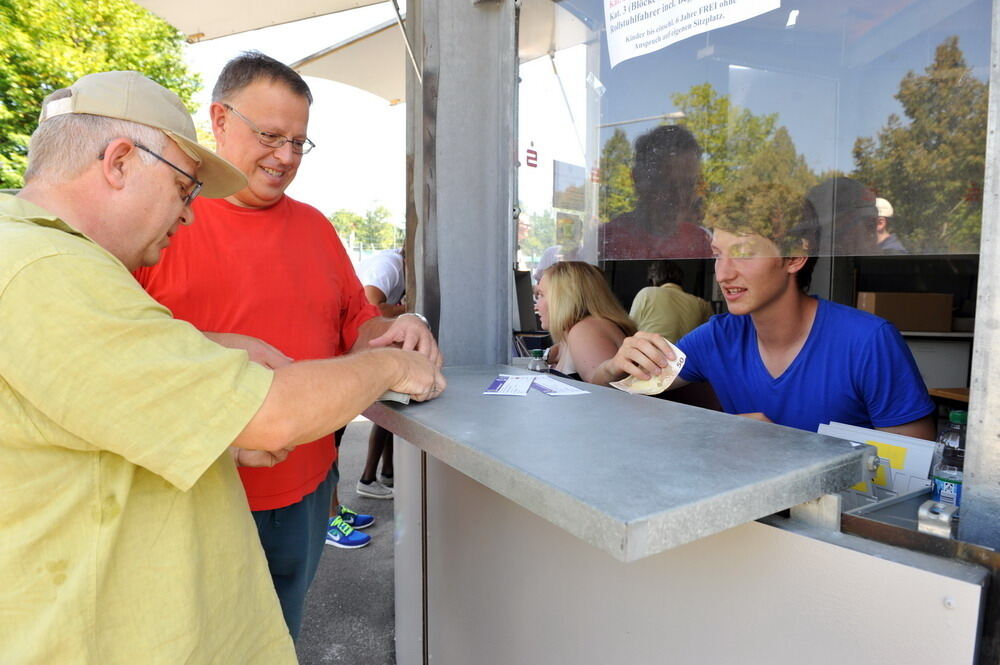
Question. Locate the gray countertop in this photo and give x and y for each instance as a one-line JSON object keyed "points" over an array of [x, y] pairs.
{"points": [[630, 475]]}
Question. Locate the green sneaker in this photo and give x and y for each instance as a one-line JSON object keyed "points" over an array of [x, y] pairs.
{"points": [[357, 520], [342, 534]]}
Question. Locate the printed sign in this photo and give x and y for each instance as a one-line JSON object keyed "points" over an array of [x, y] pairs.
{"points": [[637, 27]]}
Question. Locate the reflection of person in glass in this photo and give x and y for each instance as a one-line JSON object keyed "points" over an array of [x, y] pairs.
{"points": [[888, 243], [846, 211], [664, 224], [569, 237], [781, 355]]}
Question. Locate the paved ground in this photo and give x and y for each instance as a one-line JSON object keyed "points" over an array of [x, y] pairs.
{"points": [[349, 615]]}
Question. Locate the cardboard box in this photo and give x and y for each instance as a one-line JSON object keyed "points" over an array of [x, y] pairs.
{"points": [[916, 312]]}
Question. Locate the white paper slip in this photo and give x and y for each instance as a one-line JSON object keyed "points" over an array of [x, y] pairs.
{"points": [[509, 384], [550, 386], [393, 396]]}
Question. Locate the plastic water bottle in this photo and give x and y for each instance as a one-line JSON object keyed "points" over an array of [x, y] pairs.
{"points": [[952, 436], [949, 460], [947, 477]]}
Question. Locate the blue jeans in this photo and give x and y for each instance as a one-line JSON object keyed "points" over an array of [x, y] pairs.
{"points": [[293, 538]]}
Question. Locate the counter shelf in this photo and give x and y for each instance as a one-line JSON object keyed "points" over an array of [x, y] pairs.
{"points": [[631, 475]]}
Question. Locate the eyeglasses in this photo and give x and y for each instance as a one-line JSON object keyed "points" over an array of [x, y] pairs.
{"points": [[272, 140], [188, 196], [195, 187]]}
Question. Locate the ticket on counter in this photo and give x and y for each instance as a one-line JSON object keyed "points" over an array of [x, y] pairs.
{"points": [[510, 384], [550, 386], [656, 384]]}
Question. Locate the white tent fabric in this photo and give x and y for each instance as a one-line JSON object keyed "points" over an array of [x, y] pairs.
{"points": [[375, 60], [200, 20], [546, 28]]}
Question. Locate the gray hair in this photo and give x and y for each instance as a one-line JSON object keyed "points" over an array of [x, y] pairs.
{"points": [[64, 145]]}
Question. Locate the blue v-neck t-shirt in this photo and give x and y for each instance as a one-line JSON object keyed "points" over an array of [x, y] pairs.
{"points": [[854, 368]]}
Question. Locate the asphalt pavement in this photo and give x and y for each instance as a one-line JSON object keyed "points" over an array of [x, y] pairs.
{"points": [[349, 615]]}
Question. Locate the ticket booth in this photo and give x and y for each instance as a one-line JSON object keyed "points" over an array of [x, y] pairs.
{"points": [[505, 551]]}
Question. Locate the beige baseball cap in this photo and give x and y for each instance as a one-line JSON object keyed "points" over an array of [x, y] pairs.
{"points": [[884, 207], [131, 96]]}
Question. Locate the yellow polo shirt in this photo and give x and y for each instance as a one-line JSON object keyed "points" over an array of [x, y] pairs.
{"points": [[669, 311], [125, 535]]}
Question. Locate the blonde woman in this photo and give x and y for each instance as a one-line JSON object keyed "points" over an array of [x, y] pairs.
{"points": [[585, 320]]}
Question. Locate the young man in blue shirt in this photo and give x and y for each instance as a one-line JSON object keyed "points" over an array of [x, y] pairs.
{"points": [[781, 355]]}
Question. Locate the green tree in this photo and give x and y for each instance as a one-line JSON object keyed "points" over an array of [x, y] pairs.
{"points": [[371, 230], [541, 234], [47, 44], [729, 135], [930, 167], [346, 223], [778, 161], [768, 208], [617, 193], [375, 231]]}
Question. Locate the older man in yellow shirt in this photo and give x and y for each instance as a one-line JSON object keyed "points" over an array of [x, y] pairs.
{"points": [[125, 535]]}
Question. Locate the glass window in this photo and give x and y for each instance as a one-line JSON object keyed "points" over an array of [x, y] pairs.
{"points": [[849, 128]]}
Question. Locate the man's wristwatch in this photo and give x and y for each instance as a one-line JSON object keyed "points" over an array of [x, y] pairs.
{"points": [[419, 316]]}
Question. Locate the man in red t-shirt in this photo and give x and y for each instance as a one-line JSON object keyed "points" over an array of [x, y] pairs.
{"points": [[264, 272], [667, 215]]}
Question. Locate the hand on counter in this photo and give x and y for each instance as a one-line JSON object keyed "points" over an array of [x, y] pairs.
{"points": [[420, 378], [410, 334]]}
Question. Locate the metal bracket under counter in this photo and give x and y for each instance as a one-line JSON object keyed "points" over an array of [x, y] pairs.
{"points": [[631, 475]]}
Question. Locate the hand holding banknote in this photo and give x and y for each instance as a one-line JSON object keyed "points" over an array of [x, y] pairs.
{"points": [[650, 361]]}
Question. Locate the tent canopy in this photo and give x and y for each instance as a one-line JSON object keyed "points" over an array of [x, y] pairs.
{"points": [[375, 60], [201, 20]]}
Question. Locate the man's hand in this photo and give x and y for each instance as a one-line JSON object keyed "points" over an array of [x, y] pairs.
{"points": [[418, 378], [257, 458], [260, 351], [644, 355], [410, 334]]}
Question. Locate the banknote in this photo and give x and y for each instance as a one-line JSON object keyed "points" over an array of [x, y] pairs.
{"points": [[656, 384]]}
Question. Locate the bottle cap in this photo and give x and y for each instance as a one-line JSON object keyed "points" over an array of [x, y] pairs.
{"points": [[958, 417], [536, 353]]}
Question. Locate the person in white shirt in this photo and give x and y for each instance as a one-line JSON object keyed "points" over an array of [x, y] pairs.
{"points": [[384, 279]]}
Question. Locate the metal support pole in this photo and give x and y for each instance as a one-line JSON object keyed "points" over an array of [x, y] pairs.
{"points": [[980, 516]]}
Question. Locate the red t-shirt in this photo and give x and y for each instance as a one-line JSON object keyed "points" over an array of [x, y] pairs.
{"points": [[279, 274], [623, 238]]}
